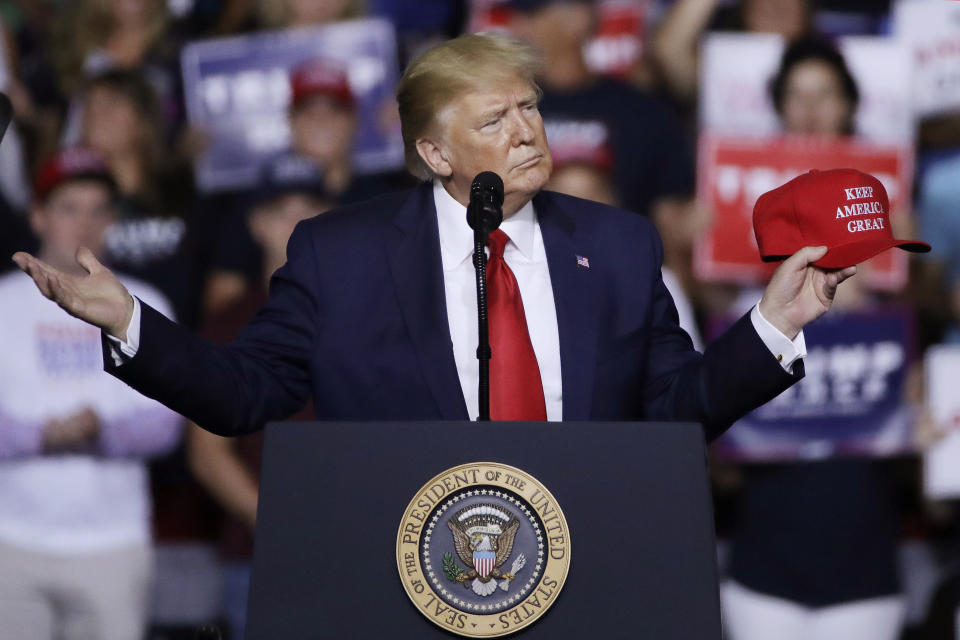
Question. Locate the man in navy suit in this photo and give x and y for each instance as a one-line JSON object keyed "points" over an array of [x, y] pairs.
{"points": [[374, 313]]}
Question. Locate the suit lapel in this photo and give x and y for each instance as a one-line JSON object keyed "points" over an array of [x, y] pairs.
{"points": [[574, 293], [413, 249]]}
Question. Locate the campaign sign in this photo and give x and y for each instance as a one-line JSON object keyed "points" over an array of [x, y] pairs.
{"points": [[941, 462], [238, 93], [618, 38], [930, 29], [849, 403], [733, 172], [736, 70]]}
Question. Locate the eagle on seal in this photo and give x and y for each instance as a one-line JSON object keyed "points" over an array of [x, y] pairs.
{"points": [[483, 537]]}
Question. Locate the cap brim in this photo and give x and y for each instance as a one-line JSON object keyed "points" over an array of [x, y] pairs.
{"points": [[82, 176], [852, 253]]}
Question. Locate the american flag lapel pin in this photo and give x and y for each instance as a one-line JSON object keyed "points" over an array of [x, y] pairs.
{"points": [[583, 261]]}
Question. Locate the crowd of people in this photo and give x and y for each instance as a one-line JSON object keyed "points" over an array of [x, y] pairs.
{"points": [[101, 154]]}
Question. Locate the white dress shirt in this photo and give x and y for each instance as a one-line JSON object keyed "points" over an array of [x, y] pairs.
{"points": [[527, 258]]}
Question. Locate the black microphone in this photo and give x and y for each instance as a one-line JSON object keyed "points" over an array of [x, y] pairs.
{"points": [[485, 211]]}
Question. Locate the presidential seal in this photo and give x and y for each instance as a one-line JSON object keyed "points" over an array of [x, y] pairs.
{"points": [[483, 549]]}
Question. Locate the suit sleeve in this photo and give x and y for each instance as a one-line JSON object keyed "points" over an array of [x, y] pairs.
{"points": [[261, 376], [736, 373]]}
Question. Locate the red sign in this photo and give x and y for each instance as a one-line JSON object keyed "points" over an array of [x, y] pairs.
{"points": [[734, 172]]}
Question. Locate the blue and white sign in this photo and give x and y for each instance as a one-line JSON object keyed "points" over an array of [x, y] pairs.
{"points": [[238, 93], [851, 401]]}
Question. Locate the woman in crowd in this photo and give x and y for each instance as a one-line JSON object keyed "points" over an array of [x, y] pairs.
{"points": [[814, 554], [152, 238], [92, 36], [676, 44]]}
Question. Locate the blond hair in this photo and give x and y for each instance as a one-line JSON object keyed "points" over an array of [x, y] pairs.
{"points": [[435, 78]]}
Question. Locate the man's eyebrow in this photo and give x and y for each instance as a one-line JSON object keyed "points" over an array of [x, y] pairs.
{"points": [[493, 112]]}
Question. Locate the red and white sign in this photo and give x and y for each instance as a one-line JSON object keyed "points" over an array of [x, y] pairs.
{"points": [[734, 172], [931, 31], [615, 47]]}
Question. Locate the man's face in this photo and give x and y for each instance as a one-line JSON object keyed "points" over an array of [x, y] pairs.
{"points": [[556, 27], [323, 130], [76, 214], [497, 130]]}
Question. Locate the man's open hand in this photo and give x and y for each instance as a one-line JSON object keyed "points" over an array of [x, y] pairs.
{"points": [[799, 292], [95, 295]]}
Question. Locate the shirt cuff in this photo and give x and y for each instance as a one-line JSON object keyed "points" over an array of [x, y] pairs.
{"points": [[785, 350], [122, 351]]}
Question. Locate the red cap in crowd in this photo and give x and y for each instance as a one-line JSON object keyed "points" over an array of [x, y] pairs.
{"points": [[320, 78], [76, 163], [843, 209]]}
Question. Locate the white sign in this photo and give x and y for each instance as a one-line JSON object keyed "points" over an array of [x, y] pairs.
{"points": [[941, 465], [736, 70], [930, 29]]}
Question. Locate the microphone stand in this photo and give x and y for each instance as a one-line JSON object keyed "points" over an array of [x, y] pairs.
{"points": [[484, 214], [483, 344]]}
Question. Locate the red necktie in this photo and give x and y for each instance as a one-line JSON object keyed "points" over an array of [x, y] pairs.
{"points": [[516, 392]]}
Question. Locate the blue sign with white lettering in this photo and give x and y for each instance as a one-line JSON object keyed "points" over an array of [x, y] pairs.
{"points": [[851, 401], [238, 94]]}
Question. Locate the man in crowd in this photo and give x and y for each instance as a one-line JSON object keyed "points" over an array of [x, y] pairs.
{"points": [[651, 156], [75, 554], [229, 468], [372, 312], [323, 119]]}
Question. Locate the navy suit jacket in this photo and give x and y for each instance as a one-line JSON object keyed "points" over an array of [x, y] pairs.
{"points": [[357, 318]]}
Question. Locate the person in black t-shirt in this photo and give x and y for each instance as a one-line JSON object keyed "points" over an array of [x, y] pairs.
{"points": [[153, 237], [323, 123], [652, 158]]}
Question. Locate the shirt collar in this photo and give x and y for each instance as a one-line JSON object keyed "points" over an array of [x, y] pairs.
{"points": [[456, 236]]}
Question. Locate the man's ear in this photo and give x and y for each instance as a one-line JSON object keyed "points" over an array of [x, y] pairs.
{"points": [[434, 157]]}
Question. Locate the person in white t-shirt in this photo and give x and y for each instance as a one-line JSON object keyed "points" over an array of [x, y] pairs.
{"points": [[75, 548]]}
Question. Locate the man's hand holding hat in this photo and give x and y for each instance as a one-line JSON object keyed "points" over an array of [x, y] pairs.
{"points": [[826, 222], [801, 292]]}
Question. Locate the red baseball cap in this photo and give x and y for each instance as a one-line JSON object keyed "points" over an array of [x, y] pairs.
{"points": [[843, 209], [320, 78], [75, 163]]}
